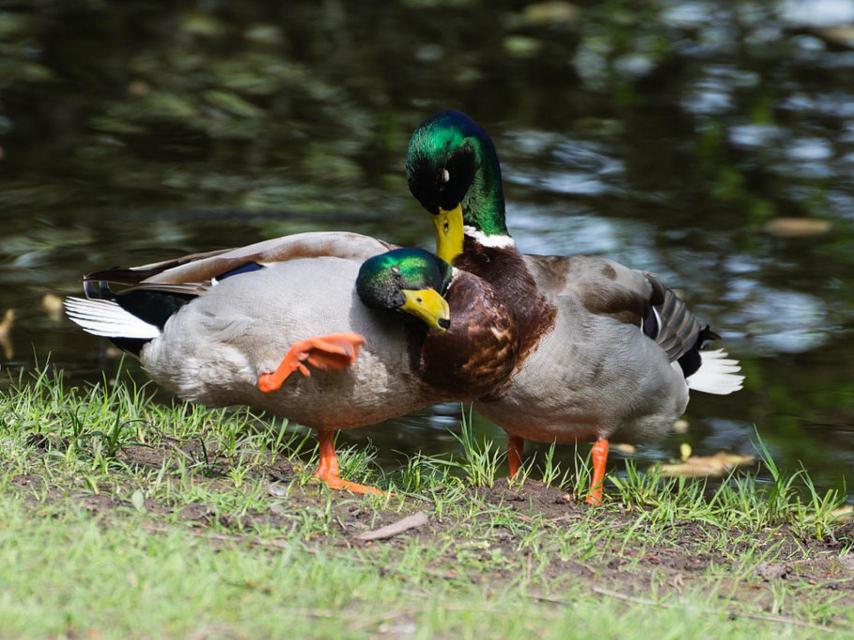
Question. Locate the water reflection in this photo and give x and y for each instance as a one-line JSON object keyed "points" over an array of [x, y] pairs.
{"points": [[653, 134]]}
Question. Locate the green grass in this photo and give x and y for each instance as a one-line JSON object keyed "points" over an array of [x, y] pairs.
{"points": [[124, 517]]}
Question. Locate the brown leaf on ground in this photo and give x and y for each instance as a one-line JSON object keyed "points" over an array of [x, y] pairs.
{"points": [[389, 531], [699, 466], [773, 570], [843, 513]]}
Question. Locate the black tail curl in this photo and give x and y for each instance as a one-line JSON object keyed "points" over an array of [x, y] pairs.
{"points": [[690, 362]]}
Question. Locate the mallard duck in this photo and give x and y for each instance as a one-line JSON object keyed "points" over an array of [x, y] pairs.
{"points": [[604, 350], [213, 328]]}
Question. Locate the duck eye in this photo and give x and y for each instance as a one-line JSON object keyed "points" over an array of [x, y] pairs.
{"points": [[446, 175], [418, 300], [395, 270]]}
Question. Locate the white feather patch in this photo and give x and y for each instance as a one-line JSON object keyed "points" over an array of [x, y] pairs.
{"points": [[454, 273], [106, 318], [657, 322], [718, 374], [497, 242]]}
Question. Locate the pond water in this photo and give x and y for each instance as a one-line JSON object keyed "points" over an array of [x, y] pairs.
{"points": [[666, 137]]}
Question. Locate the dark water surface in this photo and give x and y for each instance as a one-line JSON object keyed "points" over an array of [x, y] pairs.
{"points": [[666, 137]]}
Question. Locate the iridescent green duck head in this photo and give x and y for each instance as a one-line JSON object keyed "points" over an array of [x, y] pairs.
{"points": [[453, 171], [410, 281]]}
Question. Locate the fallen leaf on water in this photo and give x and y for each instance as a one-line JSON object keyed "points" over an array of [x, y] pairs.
{"points": [[7, 348], [626, 449], [139, 88], [52, 306], [796, 227], [698, 466], [7, 322], [550, 14], [680, 426], [842, 36], [5, 331], [522, 46]]}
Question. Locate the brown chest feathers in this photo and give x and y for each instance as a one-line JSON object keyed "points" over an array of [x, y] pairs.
{"points": [[505, 270], [476, 356]]}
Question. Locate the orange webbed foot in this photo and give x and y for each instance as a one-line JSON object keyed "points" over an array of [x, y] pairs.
{"points": [[332, 352], [327, 469], [334, 482]]}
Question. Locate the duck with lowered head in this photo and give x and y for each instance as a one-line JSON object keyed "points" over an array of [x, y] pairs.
{"points": [[604, 350]]}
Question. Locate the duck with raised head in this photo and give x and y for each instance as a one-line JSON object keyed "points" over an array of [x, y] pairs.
{"points": [[604, 350], [213, 328]]}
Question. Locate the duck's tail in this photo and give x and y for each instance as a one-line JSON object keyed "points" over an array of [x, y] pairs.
{"points": [[717, 373], [107, 318], [672, 325]]}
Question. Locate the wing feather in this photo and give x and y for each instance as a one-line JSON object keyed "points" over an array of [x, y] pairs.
{"points": [[677, 328], [193, 274], [606, 287]]}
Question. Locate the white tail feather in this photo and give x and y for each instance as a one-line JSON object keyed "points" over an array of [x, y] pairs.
{"points": [[717, 374], [106, 318]]}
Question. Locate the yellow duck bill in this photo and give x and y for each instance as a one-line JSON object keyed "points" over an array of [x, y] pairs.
{"points": [[449, 233], [428, 305]]}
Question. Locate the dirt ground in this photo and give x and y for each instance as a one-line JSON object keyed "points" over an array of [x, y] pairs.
{"points": [[628, 565]]}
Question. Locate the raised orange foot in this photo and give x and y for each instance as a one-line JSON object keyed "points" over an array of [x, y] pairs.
{"points": [[327, 470], [333, 352]]}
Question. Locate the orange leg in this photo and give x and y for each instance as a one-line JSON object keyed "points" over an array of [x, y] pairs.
{"points": [[599, 453], [515, 444], [332, 352], [327, 470]]}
